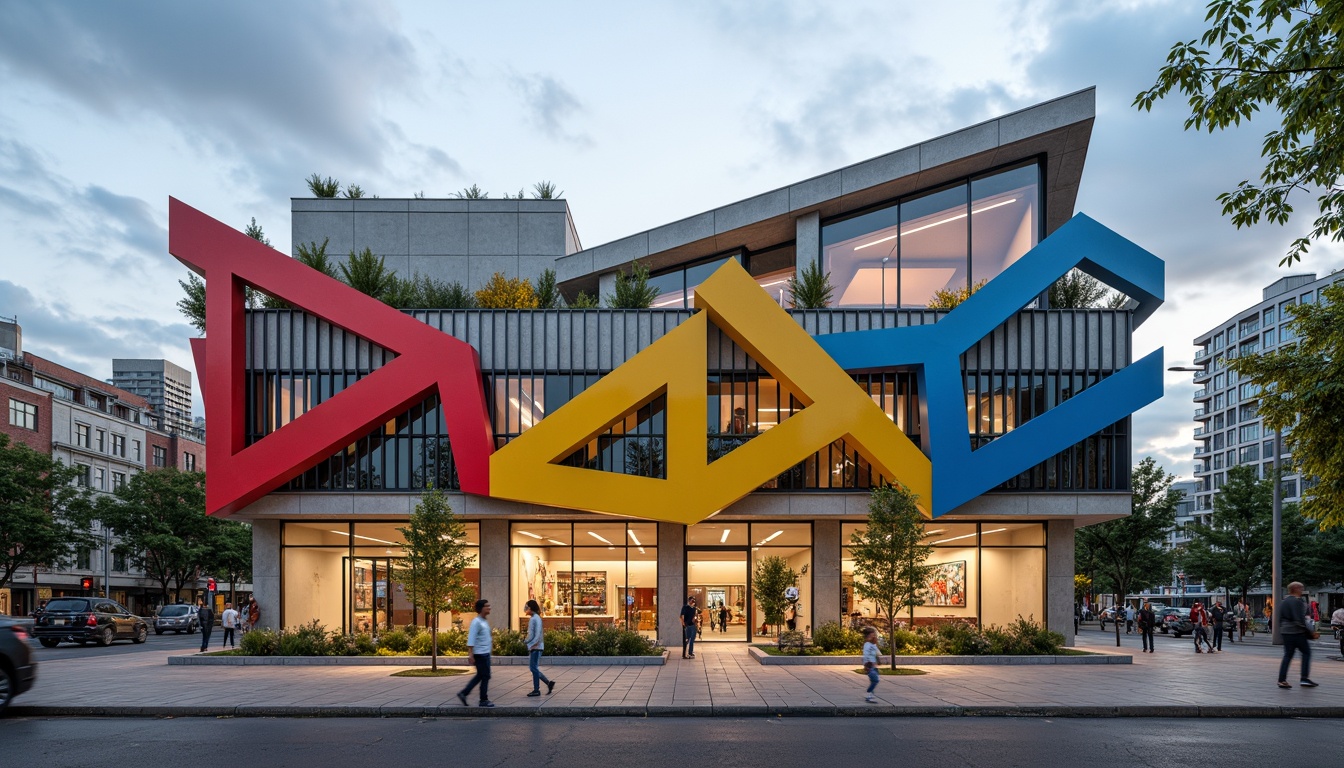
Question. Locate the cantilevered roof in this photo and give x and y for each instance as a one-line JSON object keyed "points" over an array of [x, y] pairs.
{"points": [[1057, 130]]}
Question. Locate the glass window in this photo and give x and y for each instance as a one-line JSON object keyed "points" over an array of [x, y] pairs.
{"points": [[22, 415], [1012, 584], [100, 443], [1013, 534], [100, 478], [781, 534], [776, 284], [933, 245], [860, 255], [1003, 220], [730, 534], [82, 435], [950, 535], [671, 289]]}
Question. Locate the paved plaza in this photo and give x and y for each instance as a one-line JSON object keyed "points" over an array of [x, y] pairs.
{"points": [[722, 680]]}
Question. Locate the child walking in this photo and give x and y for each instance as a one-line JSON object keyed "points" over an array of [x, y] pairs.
{"points": [[870, 662]]}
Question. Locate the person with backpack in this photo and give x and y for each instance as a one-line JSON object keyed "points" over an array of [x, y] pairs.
{"points": [[1296, 627]]}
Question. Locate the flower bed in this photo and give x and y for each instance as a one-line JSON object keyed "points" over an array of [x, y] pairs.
{"points": [[314, 640]]}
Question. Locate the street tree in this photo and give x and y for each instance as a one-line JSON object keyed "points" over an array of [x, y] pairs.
{"points": [[890, 558], [1302, 393], [433, 572], [1234, 549], [230, 551], [770, 579], [1283, 57], [160, 522], [1128, 551], [45, 516], [1079, 290]]}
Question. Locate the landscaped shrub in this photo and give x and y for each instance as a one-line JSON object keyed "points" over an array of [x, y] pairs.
{"points": [[602, 640], [1033, 638], [314, 640], [509, 642], [451, 643], [260, 642], [961, 639], [635, 644], [831, 637], [307, 640], [563, 642], [396, 641], [350, 645]]}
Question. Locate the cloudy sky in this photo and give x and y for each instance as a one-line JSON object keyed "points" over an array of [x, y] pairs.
{"points": [[643, 113]]}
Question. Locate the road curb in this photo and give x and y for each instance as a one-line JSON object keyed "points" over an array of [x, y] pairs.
{"points": [[870, 710]]}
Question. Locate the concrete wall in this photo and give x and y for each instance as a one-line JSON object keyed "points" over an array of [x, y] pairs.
{"points": [[451, 240], [495, 569], [826, 546], [1059, 578], [671, 582], [266, 570]]}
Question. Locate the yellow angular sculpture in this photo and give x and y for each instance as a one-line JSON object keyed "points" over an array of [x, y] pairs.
{"points": [[525, 470]]}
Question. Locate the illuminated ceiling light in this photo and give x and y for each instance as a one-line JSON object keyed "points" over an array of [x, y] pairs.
{"points": [[724, 538], [558, 543], [599, 538], [634, 538], [366, 538], [529, 533], [958, 217], [769, 538]]}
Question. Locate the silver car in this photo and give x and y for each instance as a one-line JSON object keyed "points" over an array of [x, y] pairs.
{"points": [[177, 618]]}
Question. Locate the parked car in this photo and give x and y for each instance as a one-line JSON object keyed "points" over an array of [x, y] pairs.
{"points": [[88, 619], [18, 668], [1175, 621], [177, 618]]}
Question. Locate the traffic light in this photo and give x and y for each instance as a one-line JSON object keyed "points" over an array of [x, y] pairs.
{"points": [[210, 584], [86, 583]]}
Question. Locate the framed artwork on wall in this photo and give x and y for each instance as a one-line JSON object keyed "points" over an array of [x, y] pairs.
{"points": [[947, 585]]}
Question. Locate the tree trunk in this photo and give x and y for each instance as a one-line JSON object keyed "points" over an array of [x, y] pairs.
{"points": [[434, 645]]}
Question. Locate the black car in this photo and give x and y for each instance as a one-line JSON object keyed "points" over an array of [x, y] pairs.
{"points": [[1175, 621], [18, 668], [88, 619]]}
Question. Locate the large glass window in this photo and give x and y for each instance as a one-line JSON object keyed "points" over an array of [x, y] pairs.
{"points": [[586, 573], [903, 254], [22, 415], [985, 573]]}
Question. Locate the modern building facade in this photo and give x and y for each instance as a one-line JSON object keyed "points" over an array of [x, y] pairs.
{"points": [[166, 386], [109, 434], [610, 462]]}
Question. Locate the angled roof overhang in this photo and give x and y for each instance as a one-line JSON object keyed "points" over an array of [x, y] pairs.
{"points": [[1058, 131]]}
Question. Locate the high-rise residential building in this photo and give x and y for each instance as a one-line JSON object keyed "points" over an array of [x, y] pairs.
{"points": [[165, 385], [1229, 429]]}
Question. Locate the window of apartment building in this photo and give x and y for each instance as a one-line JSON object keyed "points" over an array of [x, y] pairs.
{"points": [[160, 455], [119, 445], [82, 435], [100, 478], [1268, 316], [118, 480], [188, 462], [1249, 347], [1232, 417], [1218, 381], [1250, 453], [1250, 432], [1306, 298], [1218, 421], [83, 558], [1218, 441], [59, 390], [1268, 448], [1288, 488], [82, 478], [1250, 411], [1218, 481], [23, 415], [100, 440], [135, 450], [1231, 459], [1218, 341], [119, 562], [1270, 338], [901, 254], [1218, 401], [1218, 461], [1249, 325]]}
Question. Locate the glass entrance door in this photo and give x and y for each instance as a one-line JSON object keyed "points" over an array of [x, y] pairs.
{"points": [[717, 579]]}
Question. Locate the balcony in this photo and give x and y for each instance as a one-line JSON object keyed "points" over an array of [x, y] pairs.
{"points": [[1203, 354], [1201, 432], [1201, 451], [1203, 394], [1202, 414]]}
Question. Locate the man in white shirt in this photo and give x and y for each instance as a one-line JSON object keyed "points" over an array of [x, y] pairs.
{"points": [[479, 645], [230, 623]]}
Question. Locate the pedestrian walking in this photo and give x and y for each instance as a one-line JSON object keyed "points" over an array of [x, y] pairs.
{"points": [[479, 645], [1129, 619], [1200, 619], [536, 643], [1337, 624], [229, 622], [206, 615], [253, 614], [1293, 620], [1219, 614], [690, 619], [870, 662], [1147, 620]]}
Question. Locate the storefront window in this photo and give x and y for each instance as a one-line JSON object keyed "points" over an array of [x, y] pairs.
{"points": [[721, 562], [985, 574], [344, 575], [582, 574]]}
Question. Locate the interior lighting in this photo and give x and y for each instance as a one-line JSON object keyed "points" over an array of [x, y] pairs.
{"points": [[633, 537], [558, 543], [724, 538], [366, 538], [966, 536], [529, 533], [599, 538], [958, 217], [769, 538]]}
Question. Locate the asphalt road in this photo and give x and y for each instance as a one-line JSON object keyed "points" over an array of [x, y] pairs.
{"points": [[164, 642], [702, 743]]}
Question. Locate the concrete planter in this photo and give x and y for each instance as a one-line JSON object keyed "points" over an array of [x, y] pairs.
{"points": [[202, 660], [766, 659]]}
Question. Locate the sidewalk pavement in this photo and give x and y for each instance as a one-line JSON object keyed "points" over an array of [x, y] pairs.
{"points": [[722, 680]]}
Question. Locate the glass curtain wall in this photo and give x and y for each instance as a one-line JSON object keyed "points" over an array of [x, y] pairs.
{"points": [[344, 574], [716, 553], [902, 254], [585, 573], [986, 574]]}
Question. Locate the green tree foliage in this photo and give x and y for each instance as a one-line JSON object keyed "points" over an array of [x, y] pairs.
{"points": [[769, 580], [353, 192], [433, 570], [583, 301], [1234, 550], [546, 190], [889, 555], [1079, 290], [44, 515], [160, 522], [1303, 391], [367, 273], [323, 187], [314, 255], [424, 292], [230, 553], [471, 193], [632, 289], [255, 232], [811, 289], [1283, 56], [1128, 551], [548, 295], [945, 298], [192, 303]]}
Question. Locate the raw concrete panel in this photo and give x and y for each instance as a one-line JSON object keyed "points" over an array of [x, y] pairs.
{"points": [[531, 266], [266, 570], [671, 582], [480, 269], [807, 249], [438, 233], [493, 234], [817, 190], [879, 170], [494, 573], [446, 267], [338, 228], [380, 232], [394, 204], [321, 204], [1059, 569], [620, 252], [751, 210], [679, 233], [542, 233], [962, 144], [492, 206], [826, 546], [437, 206], [1048, 116]]}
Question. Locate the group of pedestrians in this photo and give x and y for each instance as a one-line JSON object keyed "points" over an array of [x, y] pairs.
{"points": [[480, 644], [233, 622]]}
